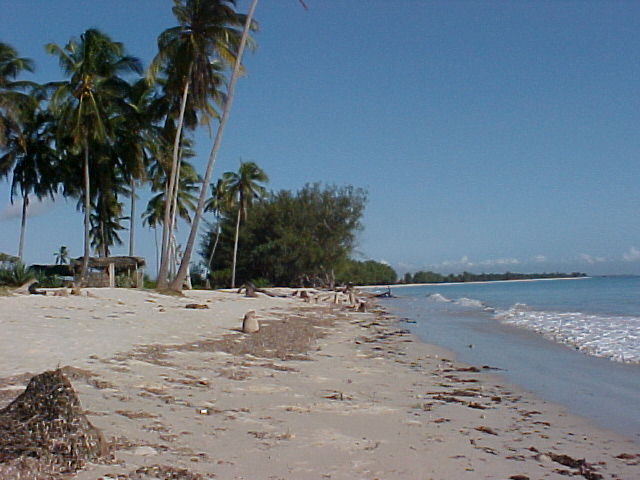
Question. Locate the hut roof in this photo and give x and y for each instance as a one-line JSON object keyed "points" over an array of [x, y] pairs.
{"points": [[5, 257], [103, 262], [62, 270]]}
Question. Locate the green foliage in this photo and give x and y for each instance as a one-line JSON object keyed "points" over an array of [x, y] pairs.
{"points": [[148, 282], [16, 275], [368, 272], [290, 237], [124, 281]]}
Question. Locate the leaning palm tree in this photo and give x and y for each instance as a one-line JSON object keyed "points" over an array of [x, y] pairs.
{"points": [[12, 100], [179, 279], [244, 187], [82, 103], [207, 35]]}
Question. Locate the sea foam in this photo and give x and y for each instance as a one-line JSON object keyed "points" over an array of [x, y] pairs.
{"points": [[613, 337]]}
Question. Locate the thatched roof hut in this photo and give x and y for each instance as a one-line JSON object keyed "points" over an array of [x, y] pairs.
{"points": [[121, 264], [102, 270]]}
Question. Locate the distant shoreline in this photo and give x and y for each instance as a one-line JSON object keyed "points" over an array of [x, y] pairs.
{"points": [[399, 285]]}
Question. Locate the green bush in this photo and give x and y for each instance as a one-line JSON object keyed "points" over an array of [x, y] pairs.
{"points": [[16, 275], [124, 281]]}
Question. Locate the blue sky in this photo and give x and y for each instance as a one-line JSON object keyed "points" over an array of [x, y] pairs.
{"points": [[490, 135]]}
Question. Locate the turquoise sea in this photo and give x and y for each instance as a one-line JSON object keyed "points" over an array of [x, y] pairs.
{"points": [[574, 342]]}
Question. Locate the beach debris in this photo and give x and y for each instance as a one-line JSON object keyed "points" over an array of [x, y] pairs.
{"points": [[61, 293], [45, 431], [487, 430], [250, 322], [197, 306], [165, 472], [26, 287], [145, 451], [518, 477]]}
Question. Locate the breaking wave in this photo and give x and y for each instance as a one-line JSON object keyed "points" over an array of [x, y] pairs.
{"points": [[613, 337]]}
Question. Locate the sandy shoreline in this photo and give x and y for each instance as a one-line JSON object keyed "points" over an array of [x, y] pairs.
{"points": [[323, 393]]}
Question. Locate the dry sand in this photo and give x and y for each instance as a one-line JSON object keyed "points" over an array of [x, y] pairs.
{"points": [[319, 393]]}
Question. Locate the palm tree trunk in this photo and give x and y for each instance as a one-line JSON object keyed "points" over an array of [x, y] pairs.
{"points": [[155, 234], [213, 249], [132, 216], [87, 211], [162, 281], [235, 248], [23, 225], [177, 282]]}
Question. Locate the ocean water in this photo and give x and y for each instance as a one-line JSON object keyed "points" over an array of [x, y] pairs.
{"points": [[574, 342]]}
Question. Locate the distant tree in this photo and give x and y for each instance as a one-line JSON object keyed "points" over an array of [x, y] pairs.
{"points": [[368, 272], [62, 255]]}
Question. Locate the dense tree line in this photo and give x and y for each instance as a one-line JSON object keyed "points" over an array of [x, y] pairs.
{"points": [[433, 277], [292, 238]]}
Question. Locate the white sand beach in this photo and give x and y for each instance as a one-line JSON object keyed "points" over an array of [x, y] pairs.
{"points": [[320, 392]]}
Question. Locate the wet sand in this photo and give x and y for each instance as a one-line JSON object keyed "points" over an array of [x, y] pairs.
{"points": [[319, 392]]}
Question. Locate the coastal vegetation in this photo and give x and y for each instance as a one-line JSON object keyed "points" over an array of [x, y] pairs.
{"points": [[433, 277], [286, 238], [110, 129]]}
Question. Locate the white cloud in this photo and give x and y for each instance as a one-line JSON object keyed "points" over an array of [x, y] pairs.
{"points": [[501, 261], [590, 259], [465, 262], [384, 262], [36, 207], [540, 258], [633, 255]]}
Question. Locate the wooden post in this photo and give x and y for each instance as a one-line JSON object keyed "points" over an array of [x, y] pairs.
{"points": [[112, 275]]}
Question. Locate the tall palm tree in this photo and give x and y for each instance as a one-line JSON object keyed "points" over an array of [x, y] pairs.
{"points": [[186, 200], [178, 281], [12, 99], [136, 139], [244, 186], [31, 156], [82, 103], [208, 34]]}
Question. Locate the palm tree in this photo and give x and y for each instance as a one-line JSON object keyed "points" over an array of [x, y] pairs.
{"points": [[82, 103], [11, 98], [244, 187], [188, 181], [136, 137], [62, 255], [217, 203], [31, 156], [178, 281], [208, 34]]}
